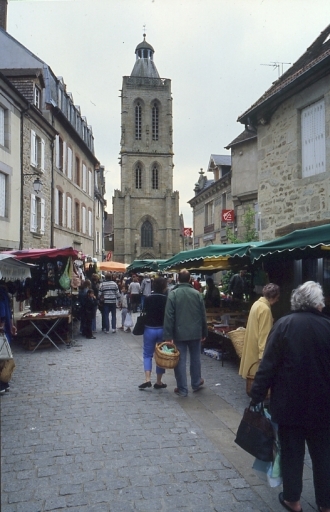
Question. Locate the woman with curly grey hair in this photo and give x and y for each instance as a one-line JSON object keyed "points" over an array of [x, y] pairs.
{"points": [[295, 367]]}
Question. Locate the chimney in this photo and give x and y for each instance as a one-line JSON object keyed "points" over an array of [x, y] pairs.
{"points": [[3, 14]]}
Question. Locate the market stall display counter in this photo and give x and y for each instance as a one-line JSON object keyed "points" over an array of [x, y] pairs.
{"points": [[46, 328]]}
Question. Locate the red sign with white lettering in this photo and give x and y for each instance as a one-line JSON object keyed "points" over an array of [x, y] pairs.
{"points": [[187, 231], [228, 215]]}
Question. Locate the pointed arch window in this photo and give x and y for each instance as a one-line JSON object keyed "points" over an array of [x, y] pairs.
{"points": [[155, 121], [155, 177], [146, 234], [138, 121], [138, 177]]}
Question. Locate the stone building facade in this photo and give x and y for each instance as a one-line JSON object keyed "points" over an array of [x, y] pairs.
{"points": [[11, 107], [211, 197], [61, 150], [146, 209], [244, 181], [292, 121]]}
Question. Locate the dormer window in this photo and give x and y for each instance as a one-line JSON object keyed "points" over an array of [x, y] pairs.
{"points": [[37, 97]]}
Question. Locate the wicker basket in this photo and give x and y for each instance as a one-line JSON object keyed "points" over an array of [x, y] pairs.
{"points": [[237, 339], [250, 380], [164, 360]]}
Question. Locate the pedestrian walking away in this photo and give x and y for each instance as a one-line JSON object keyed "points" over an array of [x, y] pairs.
{"points": [[110, 294], [185, 325], [145, 290], [154, 308], [134, 291], [295, 366]]}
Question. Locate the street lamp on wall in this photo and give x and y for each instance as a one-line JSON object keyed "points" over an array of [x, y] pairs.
{"points": [[37, 184]]}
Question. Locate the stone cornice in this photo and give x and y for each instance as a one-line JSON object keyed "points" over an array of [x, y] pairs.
{"points": [[212, 190]]}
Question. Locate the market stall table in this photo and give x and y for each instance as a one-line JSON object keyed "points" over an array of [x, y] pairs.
{"points": [[47, 325]]}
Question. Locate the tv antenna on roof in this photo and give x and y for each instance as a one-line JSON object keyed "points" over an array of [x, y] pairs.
{"points": [[278, 65]]}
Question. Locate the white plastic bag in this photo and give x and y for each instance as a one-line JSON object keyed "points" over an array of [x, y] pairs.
{"points": [[128, 321]]}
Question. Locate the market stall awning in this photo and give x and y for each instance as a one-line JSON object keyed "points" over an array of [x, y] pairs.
{"points": [[144, 265], [35, 254], [112, 266], [295, 242], [12, 269], [199, 257]]}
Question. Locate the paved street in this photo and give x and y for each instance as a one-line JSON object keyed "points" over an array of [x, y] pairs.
{"points": [[77, 434]]}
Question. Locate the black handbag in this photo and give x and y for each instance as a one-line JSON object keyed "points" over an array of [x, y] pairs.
{"points": [[140, 324], [256, 435]]}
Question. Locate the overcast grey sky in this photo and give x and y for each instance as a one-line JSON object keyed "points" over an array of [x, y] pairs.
{"points": [[212, 50]]}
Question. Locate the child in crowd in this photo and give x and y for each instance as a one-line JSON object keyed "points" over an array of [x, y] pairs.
{"points": [[124, 306]]}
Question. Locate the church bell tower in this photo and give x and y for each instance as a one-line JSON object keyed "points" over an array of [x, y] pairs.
{"points": [[146, 209]]}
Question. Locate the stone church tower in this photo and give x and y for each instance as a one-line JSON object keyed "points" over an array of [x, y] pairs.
{"points": [[145, 209]]}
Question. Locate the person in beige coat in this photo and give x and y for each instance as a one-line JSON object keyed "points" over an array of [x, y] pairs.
{"points": [[259, 324]]}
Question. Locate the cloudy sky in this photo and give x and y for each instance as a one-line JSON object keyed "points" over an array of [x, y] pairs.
{"points": [[218, 54]]}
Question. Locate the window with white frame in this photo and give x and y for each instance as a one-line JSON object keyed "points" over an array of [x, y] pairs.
{"points": [[4, 194], [69, 212], [313, 139], [69, 166], [59, 208], [77, 216], [209, 213], [98, 209], [37, 215], [37, 97], [37, 151], [90, 182], [83, 219], [59, 153], [90, 223], [2, 126], [84, 178]]}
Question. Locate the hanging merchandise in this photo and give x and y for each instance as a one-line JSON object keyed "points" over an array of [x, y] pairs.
{"points": [[65, 280]]}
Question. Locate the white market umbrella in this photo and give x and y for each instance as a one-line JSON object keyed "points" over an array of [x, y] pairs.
{"points": [[12, 269]]}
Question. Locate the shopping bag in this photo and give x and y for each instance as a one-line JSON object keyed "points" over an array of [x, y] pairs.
{"points": [[256, 435], [5, 350], [65, 280], [128, 321], [140, 324], [7, 368]]}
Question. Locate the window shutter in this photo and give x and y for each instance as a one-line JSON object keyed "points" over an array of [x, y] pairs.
{"points": [[33, 214], [42, 161], [2, 126], [90, 181], [64, 158], [70, 163], [33, 149], [57, 217], [84, 219], [90, 223], [63, 210], [57, 151], [42, 216], [313, 139], [69, 212], [2, 194]]}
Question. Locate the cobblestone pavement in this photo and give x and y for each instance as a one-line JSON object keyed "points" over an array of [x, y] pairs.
{"points": [[77, 434]]}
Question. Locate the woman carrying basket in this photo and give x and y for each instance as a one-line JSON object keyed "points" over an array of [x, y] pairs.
{"points": [[154, 308]]}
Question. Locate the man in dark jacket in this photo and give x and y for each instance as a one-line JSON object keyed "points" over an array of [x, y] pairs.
{"points": [[296, 368], [185, 325]]}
